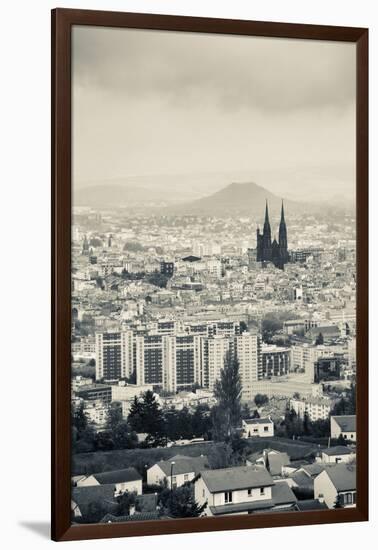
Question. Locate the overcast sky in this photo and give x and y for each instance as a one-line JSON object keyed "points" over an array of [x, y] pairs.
{"points": [[273, 110]]}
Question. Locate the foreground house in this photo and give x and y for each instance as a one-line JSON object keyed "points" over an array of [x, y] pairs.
{"points": [[88, 502], [344, 426], [336, 485], [93, 503], [241, 490], [128, 479], [258, 427], [176, 471]]}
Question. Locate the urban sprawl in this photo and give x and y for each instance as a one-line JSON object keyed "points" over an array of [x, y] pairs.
{"points": [[213, 364]]}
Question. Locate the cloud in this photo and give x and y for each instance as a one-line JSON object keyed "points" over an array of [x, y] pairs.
{"points": [[228, 72]]}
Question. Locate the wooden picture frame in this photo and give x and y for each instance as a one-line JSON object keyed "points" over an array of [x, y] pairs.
{"points": [[62, 22]]}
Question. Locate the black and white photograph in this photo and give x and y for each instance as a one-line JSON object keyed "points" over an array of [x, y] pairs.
{"points": [[213, 275]]}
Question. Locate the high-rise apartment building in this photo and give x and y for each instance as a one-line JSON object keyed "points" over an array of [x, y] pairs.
{"points": [[275, 361], [114, 355], [248, 351]]}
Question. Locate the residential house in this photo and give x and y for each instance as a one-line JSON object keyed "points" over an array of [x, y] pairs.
{"points": [[344, 426], [274, 461], [258, 427], [124, 480], [335, 455], [89, 501], [336, 485], [177, 470], [240, 490], [316, 408], [302, 480]]}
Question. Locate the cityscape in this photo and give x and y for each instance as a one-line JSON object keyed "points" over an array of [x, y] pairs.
{"points": [[213, 366], [213, 275]]}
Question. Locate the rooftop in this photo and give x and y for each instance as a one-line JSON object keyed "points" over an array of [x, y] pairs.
{"points": [[282, 494], [338, 450], [240, 477], [183, 464], [310, 504], [118, 476], [258, 421], [343, 476], [347, 423]]}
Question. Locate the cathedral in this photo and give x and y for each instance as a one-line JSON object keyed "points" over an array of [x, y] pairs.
{"points": [[272, 251]]}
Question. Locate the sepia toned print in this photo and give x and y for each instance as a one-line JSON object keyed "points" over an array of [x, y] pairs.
{"points": [[213, 275]]}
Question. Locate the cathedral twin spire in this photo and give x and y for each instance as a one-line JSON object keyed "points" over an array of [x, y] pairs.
{"points": [[268, 251]]}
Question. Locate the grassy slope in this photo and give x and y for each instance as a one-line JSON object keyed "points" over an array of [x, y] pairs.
{"points": [[87, 463]]}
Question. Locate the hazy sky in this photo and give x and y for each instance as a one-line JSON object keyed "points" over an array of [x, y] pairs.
{"points": [[153, 102]]}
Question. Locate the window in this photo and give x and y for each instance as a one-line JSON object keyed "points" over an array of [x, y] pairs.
{"points": [[262, 491], [228, 497], [348, 498], [266, 428], [186, 477], [249, 492]]}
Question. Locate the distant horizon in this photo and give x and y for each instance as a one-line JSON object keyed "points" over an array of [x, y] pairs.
{"points": [[156, 104], [285, 194]]}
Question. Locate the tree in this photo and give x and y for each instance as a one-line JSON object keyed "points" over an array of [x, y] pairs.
{"points": [[135, 415], [180, 503], [104, 441], [319, 339], [293, 424], [218, 423], [306, 423], [243, 327], [79, 419], [338, 502], [201, 421], [246, 411], [228, 391], [261, 399], [146, 417], [87, 440], [133, 246], [158, 279], [152, 415], [124, 503], [347, 404], [123, 438], [114, 417], [220, 456]]}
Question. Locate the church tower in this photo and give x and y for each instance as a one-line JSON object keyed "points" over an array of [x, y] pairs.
{"points": [[282, 238], [267, 237], [85, 249]]}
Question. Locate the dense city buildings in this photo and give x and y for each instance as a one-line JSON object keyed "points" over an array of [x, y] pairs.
{"points": [[160, 305]]}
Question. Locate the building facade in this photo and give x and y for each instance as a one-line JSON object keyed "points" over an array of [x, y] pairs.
{"points": [[114, 355]]}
